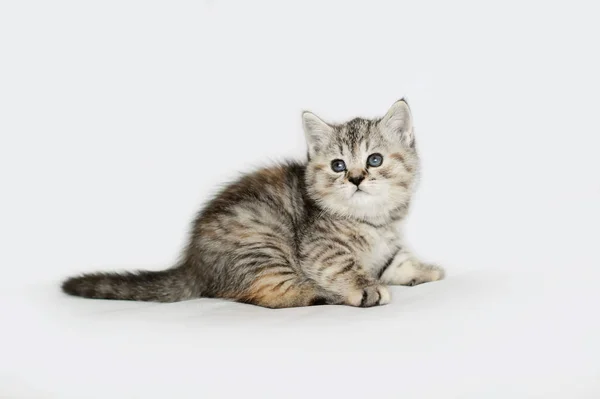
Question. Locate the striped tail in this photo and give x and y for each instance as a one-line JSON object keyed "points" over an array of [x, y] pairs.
{"points": [[153, 286]]}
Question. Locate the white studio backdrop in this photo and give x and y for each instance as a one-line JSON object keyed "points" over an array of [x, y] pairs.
{"points": [[119, 118]]}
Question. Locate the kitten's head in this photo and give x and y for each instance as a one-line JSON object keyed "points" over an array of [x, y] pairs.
{"points": [[363, 168]]}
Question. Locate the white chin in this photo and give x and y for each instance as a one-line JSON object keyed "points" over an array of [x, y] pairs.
{"points": [[361, 199]]}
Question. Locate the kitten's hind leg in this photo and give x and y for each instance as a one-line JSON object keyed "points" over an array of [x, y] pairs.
{"points": [[405, 269], [285, 290]]}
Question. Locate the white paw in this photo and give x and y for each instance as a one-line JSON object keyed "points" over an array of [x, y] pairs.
{"points": [[412, 272], [384, 295], [425, 274], [373, 295], [435, 272]]}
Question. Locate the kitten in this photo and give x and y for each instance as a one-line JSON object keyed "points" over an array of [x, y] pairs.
{"points": [[326, 231]]}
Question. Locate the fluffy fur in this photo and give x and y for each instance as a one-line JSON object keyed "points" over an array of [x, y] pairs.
{"points": [[299, 234]]}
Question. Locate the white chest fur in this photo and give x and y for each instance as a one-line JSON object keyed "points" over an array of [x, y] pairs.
{"points": [[383, 244]]}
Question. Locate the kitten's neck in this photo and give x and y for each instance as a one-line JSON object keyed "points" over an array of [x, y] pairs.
{"points": [[382, 220], [395, 216]]}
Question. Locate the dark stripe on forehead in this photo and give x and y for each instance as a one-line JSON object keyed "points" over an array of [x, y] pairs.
{"points": [[341, 146], [356, 133], [353, 133]]}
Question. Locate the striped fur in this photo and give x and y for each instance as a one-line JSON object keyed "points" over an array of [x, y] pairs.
{"points": [[298, 234]]}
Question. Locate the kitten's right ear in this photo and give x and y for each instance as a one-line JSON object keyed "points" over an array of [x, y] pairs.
{"points": [[397, 123], [316, 131]]}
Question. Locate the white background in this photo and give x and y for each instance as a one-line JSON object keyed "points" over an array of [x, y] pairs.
{"points": [[119, 118]]}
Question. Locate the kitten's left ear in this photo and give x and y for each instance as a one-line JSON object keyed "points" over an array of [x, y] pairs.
{"points": [[398, 124], [317, 132]]}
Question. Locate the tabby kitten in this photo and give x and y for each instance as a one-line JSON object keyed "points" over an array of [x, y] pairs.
{"points": [[325, 231]]}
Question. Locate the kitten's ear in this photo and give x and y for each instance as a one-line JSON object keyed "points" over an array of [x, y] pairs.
{"points": [[398, 124], [316, 131]]}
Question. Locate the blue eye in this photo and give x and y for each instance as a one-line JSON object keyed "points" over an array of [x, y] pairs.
{"points": [[375, 160], [337, 165]]}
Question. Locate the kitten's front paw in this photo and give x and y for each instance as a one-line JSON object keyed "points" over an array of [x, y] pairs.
{"points": [[373, 295], [436, 272], [412, 272], [427, 272]]}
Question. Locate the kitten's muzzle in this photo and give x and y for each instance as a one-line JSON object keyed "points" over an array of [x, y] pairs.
{"points": [[356, 180]]}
